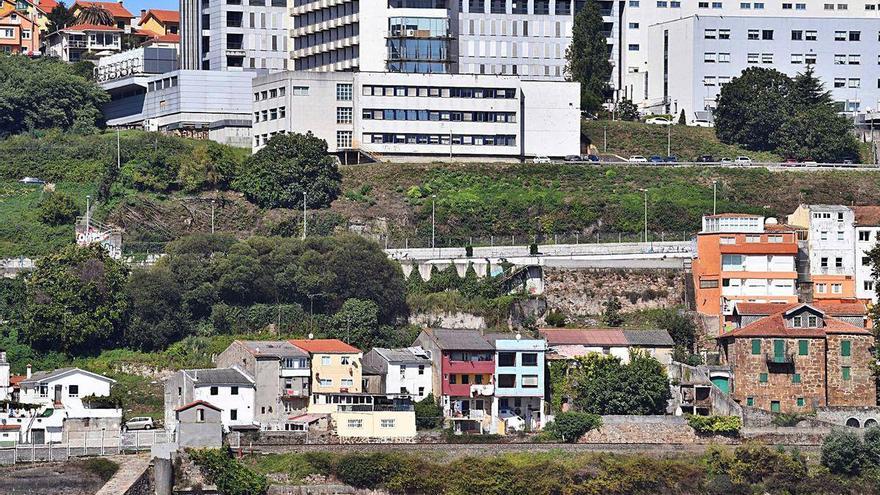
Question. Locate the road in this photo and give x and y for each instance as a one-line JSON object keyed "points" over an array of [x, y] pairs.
{"points": [[776, 167]]}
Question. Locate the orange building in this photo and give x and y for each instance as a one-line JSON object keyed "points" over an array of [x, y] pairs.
{"points": [[19, 34], [121, 16], [160, 22], [742, 258]]}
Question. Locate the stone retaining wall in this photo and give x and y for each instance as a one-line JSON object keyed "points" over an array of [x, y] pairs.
{"points": [[648, 430]]}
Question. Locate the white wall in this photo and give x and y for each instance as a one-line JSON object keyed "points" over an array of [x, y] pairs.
{"points": [[243, 402], [863, 272], [410, 378], [88, 385]]}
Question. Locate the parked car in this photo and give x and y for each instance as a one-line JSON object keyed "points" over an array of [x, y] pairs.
{"points": [[637, 159], [810, 163], [702, 123], [705, 159], [656, 159], [671, 159], [31, 180], [743, 160], [541, 159], [573, 158], [590, 158], [658, 121], [790, 162], [139, 423], [726, 161]]}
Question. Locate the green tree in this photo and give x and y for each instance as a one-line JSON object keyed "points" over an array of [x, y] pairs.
{"points": [[587, 57], [157, 321], [680, 326], [604, 385], [872, 446], [807, 90], [429, 415], [76, 301], [817, 133], [682, 119], [843, 452], [571, 426], [752, 107], [58, 209], [94, 14], [611, 316], [290, 164], [357, 323], [627, 110], [44, 93], [59, 18]]}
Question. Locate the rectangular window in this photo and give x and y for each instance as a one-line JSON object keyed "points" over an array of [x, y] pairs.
{"points": [[200, 415], [343, 92], [233, 391], [846, 371], [325, 360], [845, 348], [752, 58], [756, 346], [529, 359], [753, 34], [797, 321], [73, 391], [800, 402], [506, 359], [530, 381], [506, 381], [864, 236], [710, 34], [803, 347], [750, 401], [343, 115], [387, 423], [810, 35], [300, 91], [724, 34], [452, 380], [839, 35], [797, 35], [796, 378], [709, 284], [214, 390], [723, 58], [355, 423], [343, 139], [855, 35], [767, 34], [762, 377], [233, 414]]}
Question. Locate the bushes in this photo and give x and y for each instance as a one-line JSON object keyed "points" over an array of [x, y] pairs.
{"points": [[843, 452], [428, 413], [231, 477], [716, 425], [58, 209], [571, 426], [103, 467], [555, 318]]}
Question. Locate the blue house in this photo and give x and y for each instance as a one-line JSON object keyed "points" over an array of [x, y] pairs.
{"points": [[518, 402]]}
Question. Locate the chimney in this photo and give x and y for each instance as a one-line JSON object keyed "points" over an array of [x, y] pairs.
{"points": [[2, 356], [143, 13], [28, 371]]}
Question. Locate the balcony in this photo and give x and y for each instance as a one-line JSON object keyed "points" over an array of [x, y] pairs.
{"points": [[779, 358], [471, 367], [486, 390], [294, 394]]}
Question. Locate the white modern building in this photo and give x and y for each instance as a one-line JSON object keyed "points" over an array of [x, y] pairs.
{"points": [[5, 385], [234, 35], [688, 60], [230, 389], [441, 115], [867, 228], [72, 43], [402, 371]]}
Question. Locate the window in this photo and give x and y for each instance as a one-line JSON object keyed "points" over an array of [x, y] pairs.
{"points": [[838, 262], [452, 380], [846, 371], [300, 91], [868, 285], [633, 47], [796, 378], [200, 415], [387, 423], [345, 360], [839, 35], [421, 369], [839, 59], [855, 59], [530, 381], [478, 379], [632, 25], [836, 288], [709, 58], [73, 391], [753, 34], [753, 238], [710, 34], [803, 347], [529, 359], [786, 6], [797, 35], [343, 92], [758, 5], [854, 83], [750, 401], [355, 423], [800, 6], [855, 35], [214, 391], [766, 58], [325, 382], [810, 35], [233, 391], [343, 115], [800, 402], [756, 346], [752, 58], [325, 360], [709, 284], [845, 348], [864, 235], [839, 82], [662, 4], [797, 321], [810, 58], [506, 359], [762, 378], [724, 34], [821, 288], [797, 58], [723, 58], [506, 381], [233, 414], [346, 382]]}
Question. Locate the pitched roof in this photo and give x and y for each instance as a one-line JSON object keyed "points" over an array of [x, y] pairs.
{"points": [[164, 38], [272, 348], [324, 346], [867, 215], [10, 427], [649, 338], [43, 376], [115, 9], [91, 27], [774, 326], [466, 340], [47, 6], [162, 15], [197, 403], [406, 355], [219, 376], [831, 308], [583, 336]]}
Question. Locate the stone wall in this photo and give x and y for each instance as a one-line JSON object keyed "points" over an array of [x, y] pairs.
{"points": [[860, 389], [648, 430], [448, 320], [582, 292], [866, 416]]}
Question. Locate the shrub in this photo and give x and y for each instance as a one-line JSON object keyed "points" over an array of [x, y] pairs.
{"points": [[842, 452], [230, 476], [428, 413], [58, 209], [103, 467], [555, 318], [571, 426], [872, 445], [533, 249], [716, 425], [786, 419], [367, 471]]}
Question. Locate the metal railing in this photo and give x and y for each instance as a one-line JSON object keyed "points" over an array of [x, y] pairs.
{"points": [[83, 444]]}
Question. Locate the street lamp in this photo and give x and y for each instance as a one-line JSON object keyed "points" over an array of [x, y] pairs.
{"points": [[304, 215], [714, 196], [669, 138], [873, 148], [433, 218], [646, 213]]}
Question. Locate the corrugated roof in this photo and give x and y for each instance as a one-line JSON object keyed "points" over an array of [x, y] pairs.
{"points": [[403, 355], [466, 340], [584, 336], [649, 338], [219, 376], [325, 346], [867, 215], [116, 9], [273, 348]]}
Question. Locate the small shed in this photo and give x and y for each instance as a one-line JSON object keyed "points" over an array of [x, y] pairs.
{"points": [[199, 425]]}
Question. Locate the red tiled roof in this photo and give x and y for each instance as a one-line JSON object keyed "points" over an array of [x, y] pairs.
{"points": [[16, 379], [162, 15], [774, 326], [116, 9], [867, 215], [47, 5], [92, 27], [197, 403], [10, 427], [164, 38], [584, 336], [324, 346], [832, 308]]}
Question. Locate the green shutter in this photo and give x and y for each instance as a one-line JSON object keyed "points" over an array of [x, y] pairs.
{"points": [[847, 373], [774, 406], [763, 377], [750, 401], [756, 346], [845, 348], [800, 402], [796, 378], [778, 351], [803, 347]]}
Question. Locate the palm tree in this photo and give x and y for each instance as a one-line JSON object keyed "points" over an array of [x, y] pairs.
{"points": [[60, 18], [95, 14]]}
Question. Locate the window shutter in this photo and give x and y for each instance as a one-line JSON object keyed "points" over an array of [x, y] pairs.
{"points": [[845, 348], [756, 346], [803, 347]]}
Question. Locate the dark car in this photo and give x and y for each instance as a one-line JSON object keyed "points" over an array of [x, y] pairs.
{"points": [[589, 158], [572, 158], [671, 159], [704, 159], [656, 159]]}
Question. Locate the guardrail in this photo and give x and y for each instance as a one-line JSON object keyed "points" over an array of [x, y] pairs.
{"points": [[83, 444], [753, 164]]}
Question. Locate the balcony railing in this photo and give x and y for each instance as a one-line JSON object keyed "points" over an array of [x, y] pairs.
{"points": [[780, 358], [482, 390]]}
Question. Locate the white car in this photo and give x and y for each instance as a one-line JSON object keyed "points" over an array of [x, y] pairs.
{"points": [[658, 121], [743, 160], [139, 423], [702, 123], [637, 159], [541, 159], [31, 180]]}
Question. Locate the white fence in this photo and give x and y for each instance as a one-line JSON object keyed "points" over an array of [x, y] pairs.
{"points": [[83, 444]]}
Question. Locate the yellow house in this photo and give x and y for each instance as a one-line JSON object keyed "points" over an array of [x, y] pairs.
{"points": [[30, 10], [160, 22], [336, 366], [388, 425]]}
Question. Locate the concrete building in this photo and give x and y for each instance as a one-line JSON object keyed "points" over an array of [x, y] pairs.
{"points": [[19, 33], [5, 376], [800, 359], [229, 389], [830, 240], [690, 59], [281, 375], [463, 365], [867, 228], [743, 258], [64, 385], [335, 372], [386, 424], [421, 114], [199, 426], [72, 43], [234, 35], [518, 403], [566, 344], [401, 371]]}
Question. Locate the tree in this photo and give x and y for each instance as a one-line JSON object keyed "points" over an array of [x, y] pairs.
{"points": [[428, 413], [604, 385], [76, 301], [680, 327], [627, 110], [357, 322], [682, 120], [94, 14], [45, 93], [807, 90], [872, 446], [571, 426], [611, 316], [817, 133], [59, 18], [843, 452], [290, 164], [157, 321], [587, 57], [752, 107], [58, 209]]}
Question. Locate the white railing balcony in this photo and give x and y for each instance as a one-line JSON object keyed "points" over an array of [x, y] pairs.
{"points": [[487, 389]]}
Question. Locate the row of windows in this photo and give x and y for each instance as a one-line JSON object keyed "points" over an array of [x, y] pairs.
{"points": [[835, 288], [509, 381], [438, 115], [168, 82], [328, 382], [750, 5], [339, 55], [270, 114], [845, 373], [803, 344], [262, 139], [326, 36], [442, 139], [326, 14], [775, 404], [442, 92], [521, 7], [359, 423], [270, 93], [468, 379]]}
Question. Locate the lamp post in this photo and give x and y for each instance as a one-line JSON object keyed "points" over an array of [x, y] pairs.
{"points": [[433, 218], [646, 213], [304, 215], [714, 196], [669, 138], [212, 215]]}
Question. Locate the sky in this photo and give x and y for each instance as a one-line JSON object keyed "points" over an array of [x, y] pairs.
{"points": [[135, 6]]}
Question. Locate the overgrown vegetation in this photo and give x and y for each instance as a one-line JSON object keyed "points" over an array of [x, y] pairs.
{"points": [[716, 425], [103, 467], [571, 426], [230, 476], [844, 453]]}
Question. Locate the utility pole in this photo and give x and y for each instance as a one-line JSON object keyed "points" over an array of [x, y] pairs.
{"points": [[212, 216], [646, 213], [714, 196], [118, 151], [304, 215], [433, 217]]}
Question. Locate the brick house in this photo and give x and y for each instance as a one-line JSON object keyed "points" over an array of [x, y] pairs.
{"points": [[800, 358]]}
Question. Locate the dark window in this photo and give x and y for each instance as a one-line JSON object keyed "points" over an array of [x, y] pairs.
{"points": [[233, 391], [214, 390], [563, 7], [529, 359], [506, 359], [767, 34], [506, 381], [465, 379], [520, 6], [452, 379], [233, 414], [542, 7]]}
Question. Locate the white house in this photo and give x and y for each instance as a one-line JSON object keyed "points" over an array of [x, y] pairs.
{"points": [[402, 371], [230, 389], [5, 388], [63, 387]]}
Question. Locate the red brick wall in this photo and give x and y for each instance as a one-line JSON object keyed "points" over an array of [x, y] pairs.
{"points": [[860, 389]]}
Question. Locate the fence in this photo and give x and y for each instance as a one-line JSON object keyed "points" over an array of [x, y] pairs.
{"points": [[404, 242], [83, 444]]}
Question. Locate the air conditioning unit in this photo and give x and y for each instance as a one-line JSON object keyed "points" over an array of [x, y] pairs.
{"points": [[410, 32]]}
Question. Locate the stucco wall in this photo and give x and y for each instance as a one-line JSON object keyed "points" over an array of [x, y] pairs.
{"points": [[371, 424]]}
